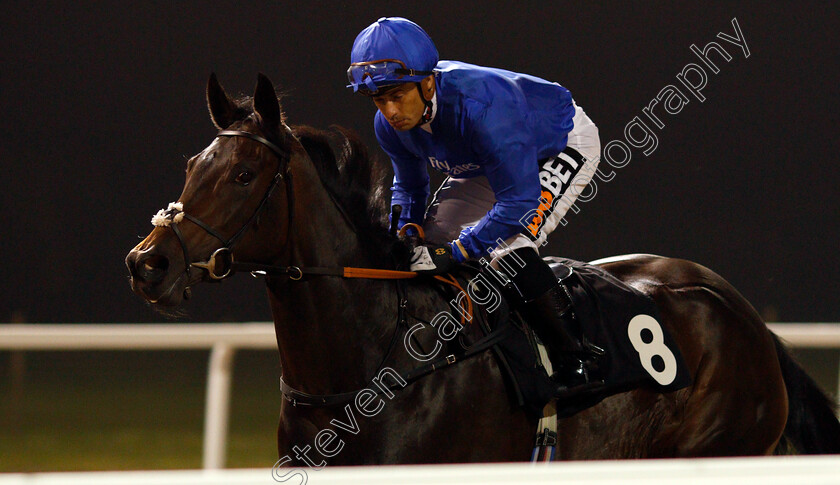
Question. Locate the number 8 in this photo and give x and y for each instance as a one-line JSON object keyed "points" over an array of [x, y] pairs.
{"points": [[655, 347]]}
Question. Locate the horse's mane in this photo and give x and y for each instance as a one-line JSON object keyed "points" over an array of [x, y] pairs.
{"points": [[354, 179], [348, 173]]}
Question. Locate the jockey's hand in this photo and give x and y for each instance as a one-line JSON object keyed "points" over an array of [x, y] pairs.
{"points": [[433, 259]]}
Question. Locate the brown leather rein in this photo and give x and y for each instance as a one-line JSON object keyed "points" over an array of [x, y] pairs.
{"points": [[295, 273]]}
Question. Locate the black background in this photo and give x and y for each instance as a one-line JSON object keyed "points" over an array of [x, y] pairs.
{"points": [[102, 102]]}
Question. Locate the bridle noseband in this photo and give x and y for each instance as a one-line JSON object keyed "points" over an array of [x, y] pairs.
{"points": [[220, 264]]}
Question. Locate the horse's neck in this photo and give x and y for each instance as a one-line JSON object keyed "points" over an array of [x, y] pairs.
{"points": [[330, 330]]}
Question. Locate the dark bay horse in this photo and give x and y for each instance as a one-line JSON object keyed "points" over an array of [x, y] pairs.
{"points": [[294, 199]]}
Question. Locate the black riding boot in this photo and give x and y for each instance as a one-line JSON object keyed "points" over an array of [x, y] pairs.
{"points": [[547, 309], [551, 317]]}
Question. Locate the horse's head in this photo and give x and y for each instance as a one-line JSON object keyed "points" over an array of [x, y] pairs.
{"points": [[225, 207]]}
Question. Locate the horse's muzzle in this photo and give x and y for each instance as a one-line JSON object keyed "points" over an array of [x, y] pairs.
{"points": [[148, 271]]}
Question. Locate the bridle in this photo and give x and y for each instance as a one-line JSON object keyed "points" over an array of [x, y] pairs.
{"points": [[220, 264]]}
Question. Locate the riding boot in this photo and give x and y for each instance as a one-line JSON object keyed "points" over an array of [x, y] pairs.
{"points": [[546, 307], [551, 317]]}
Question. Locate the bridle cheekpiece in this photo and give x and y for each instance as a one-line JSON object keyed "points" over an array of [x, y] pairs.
{"points": [[220, 263]]}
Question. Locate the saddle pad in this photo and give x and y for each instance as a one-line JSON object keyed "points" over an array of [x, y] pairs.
{"points": [[624, 322]]}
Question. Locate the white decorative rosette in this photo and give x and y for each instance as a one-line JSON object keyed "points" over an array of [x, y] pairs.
{"points": [[172, 214]]}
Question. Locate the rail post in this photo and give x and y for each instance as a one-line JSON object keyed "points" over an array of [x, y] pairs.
{"points": [[217, 405]]}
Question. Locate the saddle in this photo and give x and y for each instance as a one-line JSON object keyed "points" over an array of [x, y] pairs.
{"points": [[612, 316]]}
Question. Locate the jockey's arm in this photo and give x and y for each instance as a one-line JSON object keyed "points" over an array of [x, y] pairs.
{"points": [[515, 182], [411, 197], [411, 176], [512, 171]]}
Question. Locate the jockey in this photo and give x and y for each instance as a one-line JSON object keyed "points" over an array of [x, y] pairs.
{"points": [[517, 151]]}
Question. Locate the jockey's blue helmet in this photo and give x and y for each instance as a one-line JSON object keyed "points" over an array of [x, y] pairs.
{"points": [[392, 50]]}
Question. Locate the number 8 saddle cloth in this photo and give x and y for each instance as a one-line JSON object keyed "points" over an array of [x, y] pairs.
{"points": [[615, 317]]}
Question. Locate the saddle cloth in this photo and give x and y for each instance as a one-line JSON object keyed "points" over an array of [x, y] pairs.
{"points": [[613, 316]]}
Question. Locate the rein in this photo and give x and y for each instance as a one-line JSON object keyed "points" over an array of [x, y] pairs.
{"points": [[295, 273]]}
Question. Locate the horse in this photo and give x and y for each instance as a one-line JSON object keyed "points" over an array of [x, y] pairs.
{"points": [[310, 203]]}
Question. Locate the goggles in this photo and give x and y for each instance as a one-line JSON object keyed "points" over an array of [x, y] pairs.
{"points": [[365, 76]]}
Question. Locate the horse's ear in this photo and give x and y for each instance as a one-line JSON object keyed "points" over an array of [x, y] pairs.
{"points": [[266, 104], [222, 109]]}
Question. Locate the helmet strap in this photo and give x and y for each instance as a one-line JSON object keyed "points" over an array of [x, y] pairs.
{"points": [[428, 110]]}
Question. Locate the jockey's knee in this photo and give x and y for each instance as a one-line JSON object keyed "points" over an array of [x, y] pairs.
{"points": [[440, 232], [518, 241]]}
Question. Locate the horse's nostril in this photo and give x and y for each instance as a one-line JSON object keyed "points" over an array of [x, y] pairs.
{"points": [[147, 269], [155, 262]]}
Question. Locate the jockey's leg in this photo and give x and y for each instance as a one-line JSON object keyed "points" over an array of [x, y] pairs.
{"points": [[457, 204], [546, 306], [544, 302], [564, 177], [461, 203]]}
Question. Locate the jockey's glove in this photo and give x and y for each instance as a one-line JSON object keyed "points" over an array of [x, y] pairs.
{"points": [[433, 259]]}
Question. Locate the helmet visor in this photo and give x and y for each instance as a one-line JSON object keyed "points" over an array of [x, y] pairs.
{"points": [[369, 76]]}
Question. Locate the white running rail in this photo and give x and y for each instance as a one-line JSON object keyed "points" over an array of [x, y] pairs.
{"points": [[787, 470], [224, 339]]}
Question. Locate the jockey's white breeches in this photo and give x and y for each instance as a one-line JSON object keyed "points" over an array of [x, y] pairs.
{"points": [[462, 203]]}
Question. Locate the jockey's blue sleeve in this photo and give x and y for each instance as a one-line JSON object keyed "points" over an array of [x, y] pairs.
{"points": [[511, 168], [411, 176]]}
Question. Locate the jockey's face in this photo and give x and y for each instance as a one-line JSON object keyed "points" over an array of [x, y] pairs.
{"points": [[402, 105]]}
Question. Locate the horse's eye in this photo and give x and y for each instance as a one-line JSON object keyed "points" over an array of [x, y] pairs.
{"points": [[244, 178]]}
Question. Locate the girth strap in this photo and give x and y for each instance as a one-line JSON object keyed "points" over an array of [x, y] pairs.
{"points": [[300, 398]]}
